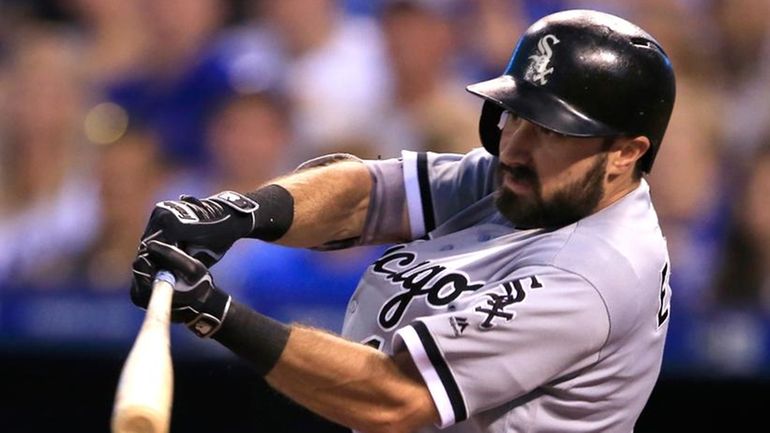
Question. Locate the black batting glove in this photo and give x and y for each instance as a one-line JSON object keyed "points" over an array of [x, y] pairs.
{"points": [[197, 302], [204, 228]]}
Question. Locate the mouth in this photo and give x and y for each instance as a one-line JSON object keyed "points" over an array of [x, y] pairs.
{"points": [[518, 179], [517, 185]]}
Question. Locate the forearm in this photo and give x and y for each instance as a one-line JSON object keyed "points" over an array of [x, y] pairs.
{"points": [[352, 384], [330, 203], [349, 383]]}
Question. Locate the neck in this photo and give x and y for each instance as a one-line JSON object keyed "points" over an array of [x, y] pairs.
{"points": [[616, 190]]}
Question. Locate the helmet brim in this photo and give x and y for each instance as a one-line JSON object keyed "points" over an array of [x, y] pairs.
{"points": [[539, 107]]}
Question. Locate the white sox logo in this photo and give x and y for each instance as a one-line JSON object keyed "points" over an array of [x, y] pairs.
{"points": [[538, 69], [495, 307], [419, 280]]}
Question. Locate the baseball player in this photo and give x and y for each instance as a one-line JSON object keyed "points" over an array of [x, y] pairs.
{"points": [[527, 288]]}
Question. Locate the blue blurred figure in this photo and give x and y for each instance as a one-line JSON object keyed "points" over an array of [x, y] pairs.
{"points": [[191, 67]]}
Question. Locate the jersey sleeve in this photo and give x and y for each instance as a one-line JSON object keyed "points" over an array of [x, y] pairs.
{"points": [[511, 338], [430, 187], [437, 186]]}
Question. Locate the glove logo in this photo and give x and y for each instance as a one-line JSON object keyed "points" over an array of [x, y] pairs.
{"points": [[182, 212], [538, 70], [237, 201]]}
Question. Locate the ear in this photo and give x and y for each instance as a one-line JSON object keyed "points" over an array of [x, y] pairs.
{"points": [[624, 153]]}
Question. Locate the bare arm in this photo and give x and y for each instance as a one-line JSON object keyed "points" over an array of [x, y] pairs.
{"points": [[349, 383], [320, 206], [331, 203], [353, 384]]}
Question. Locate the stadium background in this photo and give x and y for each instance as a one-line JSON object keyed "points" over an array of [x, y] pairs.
{"points": [[107, 106]]}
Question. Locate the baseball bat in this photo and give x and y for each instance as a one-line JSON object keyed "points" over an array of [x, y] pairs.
{"points": [[145, 389]]}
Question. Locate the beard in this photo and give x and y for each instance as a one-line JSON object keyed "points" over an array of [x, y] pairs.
{"points": [[568, 205]]}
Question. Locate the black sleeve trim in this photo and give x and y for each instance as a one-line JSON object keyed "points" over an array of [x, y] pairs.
{"points": [[425, 194], [442, 369]]}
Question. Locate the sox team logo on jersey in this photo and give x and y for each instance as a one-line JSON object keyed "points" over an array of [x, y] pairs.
{"points": [[538, 69], [424, 279], [495, 307]]}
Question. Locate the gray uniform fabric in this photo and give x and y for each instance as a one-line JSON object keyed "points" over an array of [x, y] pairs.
{"points": [[514, 330]]}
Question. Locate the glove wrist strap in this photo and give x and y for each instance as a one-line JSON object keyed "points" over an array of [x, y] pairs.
{"points": [[236, 201], [271, 209]]}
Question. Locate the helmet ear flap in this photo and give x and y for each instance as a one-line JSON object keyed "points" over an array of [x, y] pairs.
{"points": [[489, 131]]}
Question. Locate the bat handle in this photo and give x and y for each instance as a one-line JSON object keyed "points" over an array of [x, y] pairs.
{"points": [[159, 307], [145, 389], [167, 276]]}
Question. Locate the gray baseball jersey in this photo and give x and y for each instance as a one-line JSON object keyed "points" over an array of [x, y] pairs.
{"points": [[514, 330]]}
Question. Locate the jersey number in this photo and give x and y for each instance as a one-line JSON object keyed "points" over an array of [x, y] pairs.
{"points": [[665, 296]]}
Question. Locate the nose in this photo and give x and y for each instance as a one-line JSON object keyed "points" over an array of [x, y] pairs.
{"points": [[516, 141]]}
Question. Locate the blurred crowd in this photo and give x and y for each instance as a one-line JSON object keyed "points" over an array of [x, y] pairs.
{"points": [[108, 106]]}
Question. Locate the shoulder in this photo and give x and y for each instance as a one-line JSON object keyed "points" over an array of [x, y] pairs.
{"points": [[442, 169], [622, 253], [619, 243]]}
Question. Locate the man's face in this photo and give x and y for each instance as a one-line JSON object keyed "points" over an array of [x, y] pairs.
{"points": [[548, 180]]}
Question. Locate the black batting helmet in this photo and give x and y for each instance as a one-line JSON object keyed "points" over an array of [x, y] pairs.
{"points": [[586, 74]]}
